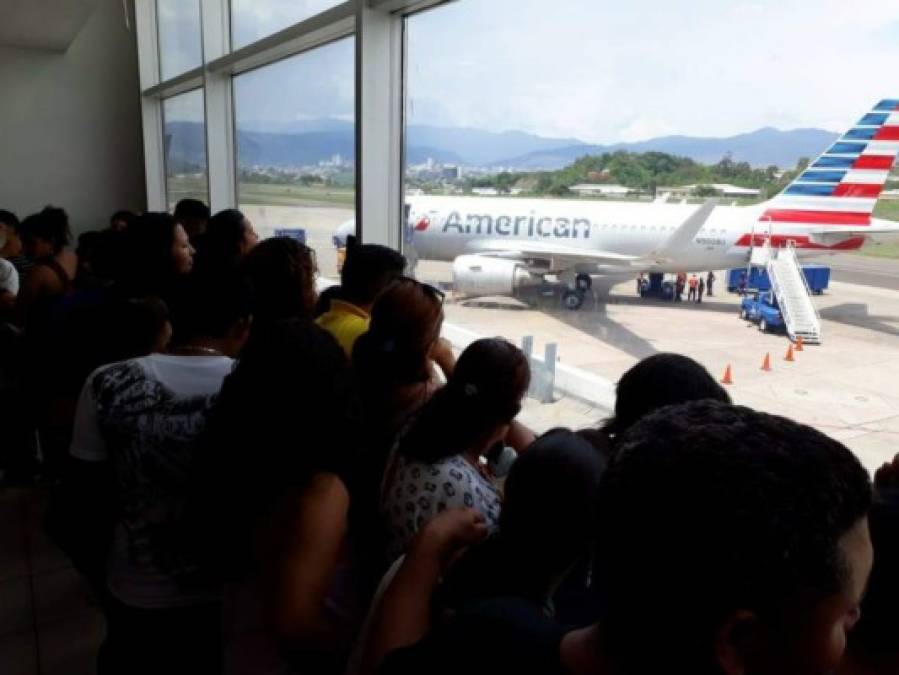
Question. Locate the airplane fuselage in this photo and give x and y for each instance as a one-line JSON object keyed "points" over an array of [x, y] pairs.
{"points": [[443, 228]]}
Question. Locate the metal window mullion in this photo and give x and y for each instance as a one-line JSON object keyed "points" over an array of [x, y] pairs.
{"points": [[151, 106], [220, 149], [379, 126]]}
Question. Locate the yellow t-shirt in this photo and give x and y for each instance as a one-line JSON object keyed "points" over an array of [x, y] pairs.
{"points": [[345, 322]]}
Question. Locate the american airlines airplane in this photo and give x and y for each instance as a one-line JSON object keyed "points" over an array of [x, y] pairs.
{"points": [[500, 245]]}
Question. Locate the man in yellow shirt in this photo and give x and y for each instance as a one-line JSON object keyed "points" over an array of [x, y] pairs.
{"points": [[367, 271]]}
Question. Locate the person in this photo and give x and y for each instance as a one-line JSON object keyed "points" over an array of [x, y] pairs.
{"points": [[752, 528], [120, 221], [741, 284], [548, 518], [709, 282], [9, 286], [394, 361], [679, 286], [655, 382], [640, 280], [11, 247], [193, 216], [228, 238], [694, 283], [277, 530], [728, 541], [873, 647], [700, 289], [142, 418], [281, 272], [367, 271], [436, 463], [46, 236], [159, 258]]}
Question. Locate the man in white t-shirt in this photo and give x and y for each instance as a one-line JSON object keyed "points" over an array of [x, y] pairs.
{"points": [[144, 418], [9, 285]]}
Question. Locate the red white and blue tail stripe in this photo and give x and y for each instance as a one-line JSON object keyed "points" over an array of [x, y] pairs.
{"points": [[841, 187]]}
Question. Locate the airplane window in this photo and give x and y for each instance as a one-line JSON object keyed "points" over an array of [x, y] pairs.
{"points": [[184, 125], [295, 130]]}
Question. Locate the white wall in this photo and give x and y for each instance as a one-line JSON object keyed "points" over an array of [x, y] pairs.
{"points": [[70, 124]]}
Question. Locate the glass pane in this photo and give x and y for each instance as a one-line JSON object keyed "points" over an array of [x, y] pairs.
{"points": [[185, 148], [180, 37], [570, 146], [255, 19], [296, 147]]}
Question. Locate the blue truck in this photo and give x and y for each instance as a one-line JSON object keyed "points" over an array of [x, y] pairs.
{"points": [[761, 308], [817, 276]]}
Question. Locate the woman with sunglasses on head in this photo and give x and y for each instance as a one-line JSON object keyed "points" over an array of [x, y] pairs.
{"points": [[437, 464]]}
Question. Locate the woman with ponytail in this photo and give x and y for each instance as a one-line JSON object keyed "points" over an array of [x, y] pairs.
{"points": [[437, 463]]}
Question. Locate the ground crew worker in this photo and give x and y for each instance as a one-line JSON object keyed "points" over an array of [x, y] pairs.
{"points": [[694, 283], [700, 290], [709, 282]]}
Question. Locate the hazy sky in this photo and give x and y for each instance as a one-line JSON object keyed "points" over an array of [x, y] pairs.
{"points": [[603, 71]]}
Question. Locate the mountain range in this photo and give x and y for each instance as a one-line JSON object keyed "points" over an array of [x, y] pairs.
{"points": [[307, 142]]}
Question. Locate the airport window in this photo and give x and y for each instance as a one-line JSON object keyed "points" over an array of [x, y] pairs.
{"points": [[180, 38], [295, 139], [255, 19], [184, 127]]}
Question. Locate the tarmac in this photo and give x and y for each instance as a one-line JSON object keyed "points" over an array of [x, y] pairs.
{"points": [[847, 387]]}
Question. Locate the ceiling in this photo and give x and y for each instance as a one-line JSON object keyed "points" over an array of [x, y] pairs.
{"points": [[43, 24]]}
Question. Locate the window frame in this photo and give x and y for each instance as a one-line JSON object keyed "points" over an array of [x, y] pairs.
{"points": [[379, 30]]}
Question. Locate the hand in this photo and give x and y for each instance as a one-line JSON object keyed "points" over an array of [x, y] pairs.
{"points": [[442, 354], [446, 536]]}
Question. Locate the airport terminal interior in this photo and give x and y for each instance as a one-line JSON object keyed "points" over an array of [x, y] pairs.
{"points": [[439, 336]]}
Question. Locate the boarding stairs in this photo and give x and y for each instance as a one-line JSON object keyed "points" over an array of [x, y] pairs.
{"points": [[792, 292]]}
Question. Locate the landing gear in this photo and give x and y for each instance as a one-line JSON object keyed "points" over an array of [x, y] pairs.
{"points": [[583, 282], [573, 298]]}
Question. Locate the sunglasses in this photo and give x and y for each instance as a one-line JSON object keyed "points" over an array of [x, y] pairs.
{"points": [[432, 291]]}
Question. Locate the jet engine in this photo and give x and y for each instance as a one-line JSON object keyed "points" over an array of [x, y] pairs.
{"points": [[476, 275]]}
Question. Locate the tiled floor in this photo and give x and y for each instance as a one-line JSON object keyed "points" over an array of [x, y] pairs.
{"points": [[49, 622]]}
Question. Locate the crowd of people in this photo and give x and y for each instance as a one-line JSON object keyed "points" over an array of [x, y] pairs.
{"points": [[256, 478]]}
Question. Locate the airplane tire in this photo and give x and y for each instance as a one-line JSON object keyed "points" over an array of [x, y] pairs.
{"points": [[572, 299], [763, 325], [583, 282]]}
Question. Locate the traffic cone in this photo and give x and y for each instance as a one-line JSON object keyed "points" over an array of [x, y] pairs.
{"points": [[727, 376], [766, 364], [798, 343], [789, 356]]}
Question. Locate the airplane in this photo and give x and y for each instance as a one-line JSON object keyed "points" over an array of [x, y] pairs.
{"points": [[499, 245]]}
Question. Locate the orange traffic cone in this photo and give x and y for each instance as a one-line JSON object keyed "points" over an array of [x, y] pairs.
{"points": [[727, 376], [798, 343], [789, 356], [766, 364]]}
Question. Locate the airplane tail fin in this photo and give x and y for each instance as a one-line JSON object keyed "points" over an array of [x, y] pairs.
{"points": [[841, 187]]}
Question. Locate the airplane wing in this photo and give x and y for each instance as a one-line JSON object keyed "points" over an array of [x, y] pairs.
{"points": [[559, 256], [684, 235]]}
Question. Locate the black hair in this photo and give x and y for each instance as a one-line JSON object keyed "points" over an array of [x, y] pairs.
{"points": [[657, 381], [281, 272], [150, 268], [707, 509], [209, 305], [484, 391], [50, 224], [875, 637], [323, 303], [219, 247], [127, 217], [290, 400], [191, 210], [9, 219], [367, 270]]}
